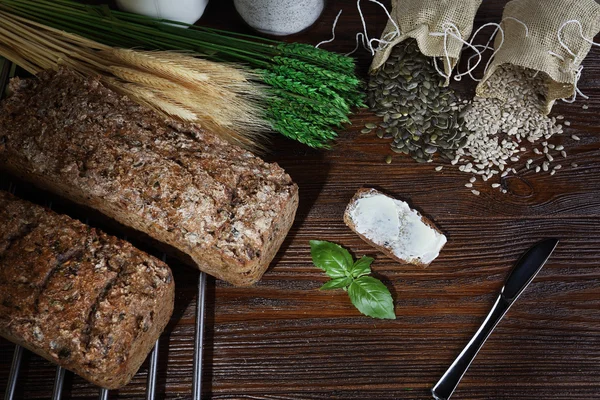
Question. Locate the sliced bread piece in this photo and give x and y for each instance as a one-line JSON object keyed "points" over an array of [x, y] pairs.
{"points": [[394, 228]]}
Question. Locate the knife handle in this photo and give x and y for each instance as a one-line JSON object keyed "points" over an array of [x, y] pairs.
{"points": [[448, 382]]}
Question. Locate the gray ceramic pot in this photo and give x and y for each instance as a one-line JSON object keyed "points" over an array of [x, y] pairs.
{"points": [[279, 17]]}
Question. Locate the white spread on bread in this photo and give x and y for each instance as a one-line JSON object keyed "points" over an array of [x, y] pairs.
{"points": [[393, 224]]}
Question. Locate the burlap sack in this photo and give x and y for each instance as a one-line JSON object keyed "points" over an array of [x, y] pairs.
{"points": [[419, 19], [543, 19]]}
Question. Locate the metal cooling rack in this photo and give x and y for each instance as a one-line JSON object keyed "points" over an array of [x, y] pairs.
{"points": [[6, 71]]}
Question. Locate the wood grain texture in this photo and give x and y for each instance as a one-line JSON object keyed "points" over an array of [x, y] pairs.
{"points": [[284, 339]]}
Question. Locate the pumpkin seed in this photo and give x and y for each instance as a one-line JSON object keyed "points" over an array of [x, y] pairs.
{"points": [[417, 111]]}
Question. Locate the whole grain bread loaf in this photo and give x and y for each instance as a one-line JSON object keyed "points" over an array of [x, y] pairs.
{"points": [[222, 206], [78, 297]]}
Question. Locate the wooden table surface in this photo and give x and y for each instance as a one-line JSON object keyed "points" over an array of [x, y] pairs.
{"points": [[285, 339]]}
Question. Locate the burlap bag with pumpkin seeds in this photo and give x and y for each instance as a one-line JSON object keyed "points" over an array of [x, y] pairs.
{"points": [[424, 20], [538, 47]]}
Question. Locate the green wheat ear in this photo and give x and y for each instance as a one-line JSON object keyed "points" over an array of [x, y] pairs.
{"points": [[312, 92], [331, 90], [305, 111], [357, 99], [347, 86], [319, 73], [333, 61], [306, 106], [294, 127], [335, 89]]}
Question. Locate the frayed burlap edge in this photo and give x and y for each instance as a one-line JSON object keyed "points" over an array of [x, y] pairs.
{"points": [[430, 16], [532, 49]]}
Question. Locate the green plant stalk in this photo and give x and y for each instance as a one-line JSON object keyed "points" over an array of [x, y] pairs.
{"points": [[317, 84], [308, 106], [333, 91], [336, 62], [328, 87], [323, 74], [306, 112], [295, 127], [91, 18], [291, 85], [135, 35]]}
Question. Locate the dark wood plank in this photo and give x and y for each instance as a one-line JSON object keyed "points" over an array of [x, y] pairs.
{"points": [[285, 339]]}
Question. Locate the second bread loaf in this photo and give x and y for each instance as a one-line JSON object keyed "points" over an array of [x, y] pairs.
{"points": [[78, 297]]}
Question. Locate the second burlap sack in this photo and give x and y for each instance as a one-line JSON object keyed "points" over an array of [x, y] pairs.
{"points": [[538, 46], [427, 21]]}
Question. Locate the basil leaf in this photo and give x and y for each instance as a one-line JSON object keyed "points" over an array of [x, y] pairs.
{"points": [[331, 258], [337, 283], [362, 267], [372, 298]]}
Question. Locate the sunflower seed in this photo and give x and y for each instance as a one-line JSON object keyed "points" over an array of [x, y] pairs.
{"points": [[496, 129]]}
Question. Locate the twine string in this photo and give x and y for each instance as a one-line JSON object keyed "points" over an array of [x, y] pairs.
{"points": [[385, 41], [332, 31], [450, 29], [571, 63]]}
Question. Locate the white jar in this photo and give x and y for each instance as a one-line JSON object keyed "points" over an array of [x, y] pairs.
{"points": [[279, 17], [188, 11]]}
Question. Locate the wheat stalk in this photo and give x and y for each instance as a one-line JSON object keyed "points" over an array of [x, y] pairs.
{"points": [[149, 97], [151, 62], [142, 78], [218, 97]]}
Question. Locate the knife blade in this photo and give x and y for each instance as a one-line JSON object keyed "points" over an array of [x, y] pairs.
{"points": [[520, 277]]}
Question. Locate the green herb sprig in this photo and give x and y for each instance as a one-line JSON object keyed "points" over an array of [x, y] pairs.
{"points": [[368, 294]]}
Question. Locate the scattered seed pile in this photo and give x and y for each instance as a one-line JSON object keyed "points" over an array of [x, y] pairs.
{"points": [[419, 113], [498, 130], [485, 137]]}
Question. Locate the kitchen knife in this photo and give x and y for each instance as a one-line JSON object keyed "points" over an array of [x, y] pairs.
{"points": [[520, 277]]}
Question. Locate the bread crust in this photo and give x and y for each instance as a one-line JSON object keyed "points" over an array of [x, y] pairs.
{"points": [[363, 192], [82, 299], [225, 208]]}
